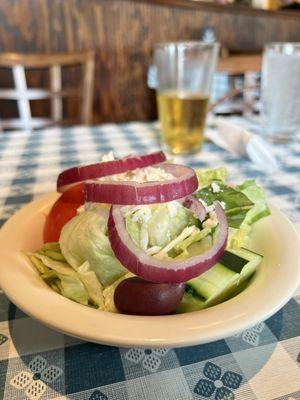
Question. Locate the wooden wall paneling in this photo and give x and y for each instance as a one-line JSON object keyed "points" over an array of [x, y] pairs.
{"points": [[123, 33]]}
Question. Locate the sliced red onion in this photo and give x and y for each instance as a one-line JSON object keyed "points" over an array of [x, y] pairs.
{"points": [[133, 193], [99, 170], [196, 207], [162, 271]]}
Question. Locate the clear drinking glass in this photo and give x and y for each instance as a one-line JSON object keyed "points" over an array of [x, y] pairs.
{"points": [[280, 91], [184, 76]]}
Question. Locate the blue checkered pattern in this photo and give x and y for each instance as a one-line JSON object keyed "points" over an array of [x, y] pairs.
{"points": [[37, 363]]}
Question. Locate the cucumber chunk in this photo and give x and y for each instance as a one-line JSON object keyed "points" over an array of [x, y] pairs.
{"points": [[190, 303], [212, 281], [226, 278]]}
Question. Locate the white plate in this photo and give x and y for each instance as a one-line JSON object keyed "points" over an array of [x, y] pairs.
{"points": [[272, 286]]}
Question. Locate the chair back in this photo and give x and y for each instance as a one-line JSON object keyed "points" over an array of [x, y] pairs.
{"points": [[22, 94]]}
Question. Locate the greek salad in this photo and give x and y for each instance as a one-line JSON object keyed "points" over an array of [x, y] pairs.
{"points": [[144, 236]]}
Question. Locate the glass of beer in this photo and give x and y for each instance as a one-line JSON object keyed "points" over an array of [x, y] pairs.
{"points": [[184, 73]]}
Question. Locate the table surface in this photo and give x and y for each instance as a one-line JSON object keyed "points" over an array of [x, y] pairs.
{"points": [[37, 363]]}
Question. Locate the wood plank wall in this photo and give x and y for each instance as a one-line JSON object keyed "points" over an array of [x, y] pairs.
{"points": [[123, 33]]}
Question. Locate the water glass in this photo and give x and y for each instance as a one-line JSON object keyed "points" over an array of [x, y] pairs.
{"points": [[280, 91], [184, 73]]}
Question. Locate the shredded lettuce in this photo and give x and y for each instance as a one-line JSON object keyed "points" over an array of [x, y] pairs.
{"points": [[196, 236], [165, 231], [169, 249], [158, 224]]}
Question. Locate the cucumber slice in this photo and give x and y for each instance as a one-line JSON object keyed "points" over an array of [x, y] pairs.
{"points": [[233, 262], [212, 281], [190, 303], [242, 286], [225, 279], [249, 268]]}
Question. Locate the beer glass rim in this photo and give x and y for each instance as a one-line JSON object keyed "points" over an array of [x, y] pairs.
{"points": [[187, 44], [282, 47]]}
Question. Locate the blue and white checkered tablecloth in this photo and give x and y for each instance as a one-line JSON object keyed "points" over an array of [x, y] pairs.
{"points": [[37, 363]]}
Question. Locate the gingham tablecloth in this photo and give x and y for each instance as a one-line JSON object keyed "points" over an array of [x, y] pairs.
{"points": [[37, 363]]}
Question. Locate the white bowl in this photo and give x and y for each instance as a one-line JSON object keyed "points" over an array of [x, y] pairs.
{"points": [[272, 286]]}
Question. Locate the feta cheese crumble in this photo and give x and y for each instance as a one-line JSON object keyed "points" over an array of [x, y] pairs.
{"points": [[140, 175], [108, 157], [215, 187], [208, 209], [223, 205], [212, 221]]}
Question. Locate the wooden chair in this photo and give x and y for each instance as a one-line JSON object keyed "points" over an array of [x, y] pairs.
{"points": [[22, 94], [240, 64], [237, 66]]}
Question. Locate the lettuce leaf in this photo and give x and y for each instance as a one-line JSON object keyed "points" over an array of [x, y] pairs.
{"points": [[207, 176], [109, 291], [73, 288], [238, 238], [84, 238], [81, 286], [61, 277], [243, 204], [58, 266], [257, 196], [91, 283], [236, 204], [53, 251]]}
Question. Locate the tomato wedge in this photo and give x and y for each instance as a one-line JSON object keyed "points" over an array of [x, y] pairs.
{"points": [[64, 209]]}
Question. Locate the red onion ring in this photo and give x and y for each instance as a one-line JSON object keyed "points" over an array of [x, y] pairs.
{"points": [[162, 271], [99, 170], [133, 193], [196, 207]]}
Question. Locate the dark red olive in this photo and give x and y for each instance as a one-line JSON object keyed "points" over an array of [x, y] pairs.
{"points": [[136, 296]]}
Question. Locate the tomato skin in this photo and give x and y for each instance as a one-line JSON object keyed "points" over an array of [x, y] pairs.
{"points": [[62, 211], [74, 195]]}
